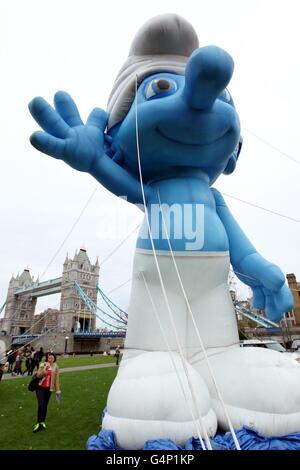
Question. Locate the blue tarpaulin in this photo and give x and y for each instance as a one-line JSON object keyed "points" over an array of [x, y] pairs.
{"points": [[251, 440], [248, 439]]}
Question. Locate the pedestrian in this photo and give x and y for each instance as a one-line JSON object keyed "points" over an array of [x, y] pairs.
{"points": [[48, 372], [11, 357], [27, 361], [18, 365], [32, 361], [117, 355], [38, 357], [3, 362]]}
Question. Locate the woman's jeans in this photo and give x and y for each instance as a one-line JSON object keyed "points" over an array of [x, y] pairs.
{"points": [[43, 396]]}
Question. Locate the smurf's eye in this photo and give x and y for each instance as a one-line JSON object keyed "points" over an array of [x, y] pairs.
{"points": [[163, 84], [160, 87], [226, 95]]}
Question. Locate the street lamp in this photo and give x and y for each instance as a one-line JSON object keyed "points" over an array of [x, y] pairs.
{"points": [[66, 343]]}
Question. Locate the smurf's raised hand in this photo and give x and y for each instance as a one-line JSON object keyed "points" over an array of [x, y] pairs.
{"points": [[267, 281], [65, 136]]}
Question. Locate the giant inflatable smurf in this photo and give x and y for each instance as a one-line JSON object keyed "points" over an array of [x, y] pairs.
{"points": [[170, 131]]}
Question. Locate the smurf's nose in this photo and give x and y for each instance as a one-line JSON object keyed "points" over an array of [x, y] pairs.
{"points": [[207, 73]]}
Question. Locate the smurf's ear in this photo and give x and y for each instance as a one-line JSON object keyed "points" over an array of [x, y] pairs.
{"points": [[230, 167]]}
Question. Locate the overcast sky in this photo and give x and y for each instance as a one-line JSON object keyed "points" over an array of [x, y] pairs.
{"points": [[79, 46]]}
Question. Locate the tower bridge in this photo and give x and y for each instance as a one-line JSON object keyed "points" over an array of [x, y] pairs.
{"points": [[39, 289], [72, 327], [73, 320]]}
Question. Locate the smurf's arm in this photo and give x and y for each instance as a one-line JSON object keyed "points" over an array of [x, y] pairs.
{"points": [[80, 145], [266, 280], [117, 180], [239, 245]]}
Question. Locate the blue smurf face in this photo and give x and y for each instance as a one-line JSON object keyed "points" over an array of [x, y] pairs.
{"points": [[160, 88], [180, 125]]}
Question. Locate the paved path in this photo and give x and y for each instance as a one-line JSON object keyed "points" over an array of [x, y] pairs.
{"points": [[66, 369]]}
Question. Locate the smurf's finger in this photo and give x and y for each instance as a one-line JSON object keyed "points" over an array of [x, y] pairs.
{"points": [[67, 109], [259, 300], [49, 119], [273, 312], [48, 144], [283, 299], [98, 118]]}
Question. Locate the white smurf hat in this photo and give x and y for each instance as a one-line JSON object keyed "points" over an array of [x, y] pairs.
{"points": [[163, 44]]}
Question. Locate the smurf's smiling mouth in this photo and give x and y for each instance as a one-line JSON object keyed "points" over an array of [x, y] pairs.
{"points": [[181, 142]]}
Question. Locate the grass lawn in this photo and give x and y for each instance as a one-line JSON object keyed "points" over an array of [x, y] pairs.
{"points": [[83, 360], [84, 396], [80, 361]]}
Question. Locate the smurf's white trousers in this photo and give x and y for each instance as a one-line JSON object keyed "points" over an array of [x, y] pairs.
{"points": [[160, 394]]}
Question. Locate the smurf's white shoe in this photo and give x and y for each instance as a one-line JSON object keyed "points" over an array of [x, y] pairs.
{"points": [[146, 401], [260, 387]]}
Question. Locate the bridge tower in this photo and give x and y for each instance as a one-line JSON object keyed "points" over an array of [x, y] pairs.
{"points": [[19, 310], [73, 313]]}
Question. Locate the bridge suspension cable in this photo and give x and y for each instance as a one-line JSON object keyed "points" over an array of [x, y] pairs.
{"points": [[110, 303], [86, 299], [260, 320], [93, 307]]}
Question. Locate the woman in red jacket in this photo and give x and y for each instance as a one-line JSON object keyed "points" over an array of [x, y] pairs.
{"points": [[48, 372]]}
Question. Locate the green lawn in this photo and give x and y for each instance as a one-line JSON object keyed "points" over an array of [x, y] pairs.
{"points": [[83, 361], [80, 361], [84, 395]]}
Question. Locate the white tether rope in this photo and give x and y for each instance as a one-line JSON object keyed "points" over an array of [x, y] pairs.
{"points": [[198, 333], [157, 264], [174, 365]]}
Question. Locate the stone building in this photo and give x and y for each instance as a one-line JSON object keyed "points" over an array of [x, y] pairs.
{"points": [[23, 291], [295, 287], [74, 313], [72, 328], [19, 311], [45, 321]]}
